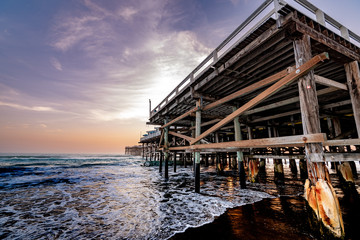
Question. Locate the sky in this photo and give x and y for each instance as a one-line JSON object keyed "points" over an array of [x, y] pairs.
{"points": [[76, 76]]}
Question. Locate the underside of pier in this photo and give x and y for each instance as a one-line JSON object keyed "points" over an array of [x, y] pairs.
{"points": [[284, 84]]}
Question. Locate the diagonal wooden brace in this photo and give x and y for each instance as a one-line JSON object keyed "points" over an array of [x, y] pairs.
{"points": [[187, 138]]}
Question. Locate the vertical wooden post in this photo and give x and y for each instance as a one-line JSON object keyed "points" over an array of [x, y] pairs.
{"points": [[206, 160], [193, 153], [143, 151], [353, 81], [174, 161], [318, 187], [293, 167], [197, 154], [239, 154], [161, 160], [278, 163], [166, 150], [292, 162], [147, 150], [309, 111], [303, 169], [184, 157]]}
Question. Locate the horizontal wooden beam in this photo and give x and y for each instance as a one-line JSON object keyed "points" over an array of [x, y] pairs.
{"points": [[342, 142], [341, 157], [289, 141], [274, 116], [337, 104], [277, 156], [330, 83], [292, 76], [329, 157], [187, 138]]}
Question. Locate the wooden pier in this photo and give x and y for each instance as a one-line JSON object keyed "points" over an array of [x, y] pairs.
{"points": [[283, 85]]}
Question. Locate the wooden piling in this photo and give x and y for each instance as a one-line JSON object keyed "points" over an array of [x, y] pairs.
{"points": [[174, 161], [161, 161], [278, 171], [166, 153], [293, 167], [303, 169], [197, 154], [317, 171], [239, 154]]}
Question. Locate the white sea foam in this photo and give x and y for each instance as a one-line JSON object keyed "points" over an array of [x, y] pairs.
{"points": [[110, 197]]}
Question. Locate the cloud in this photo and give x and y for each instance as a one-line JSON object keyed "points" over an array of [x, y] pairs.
{"points": [[56, 64], [127, 13], [72, 31], [22, 107], [133, 56]]}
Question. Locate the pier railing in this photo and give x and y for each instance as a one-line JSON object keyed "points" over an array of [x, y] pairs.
{"points": [[153, 134], [269, 9]]}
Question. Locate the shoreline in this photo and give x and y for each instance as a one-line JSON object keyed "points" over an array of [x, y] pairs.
{"points": [[284, 217], [271, 218]]}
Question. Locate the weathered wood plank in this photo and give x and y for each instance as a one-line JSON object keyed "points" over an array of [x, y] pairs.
{"points": [[292, 76], [297, 140]]}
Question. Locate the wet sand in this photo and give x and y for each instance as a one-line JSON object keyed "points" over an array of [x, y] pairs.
{"points": [[276, 218]]}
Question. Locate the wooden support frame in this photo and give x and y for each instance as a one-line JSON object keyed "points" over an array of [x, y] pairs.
{"points": [[294, 75], [237, 94]]}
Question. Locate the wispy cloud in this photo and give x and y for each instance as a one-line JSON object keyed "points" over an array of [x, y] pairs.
{"points": [[127, 13], [23, 107], [56, 64], [73, 30]]}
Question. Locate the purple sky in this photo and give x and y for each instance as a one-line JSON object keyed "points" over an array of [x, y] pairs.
{"points": [[76, 75]]}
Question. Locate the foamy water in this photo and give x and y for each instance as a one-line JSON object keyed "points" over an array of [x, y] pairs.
{"points": [[109, 197]]}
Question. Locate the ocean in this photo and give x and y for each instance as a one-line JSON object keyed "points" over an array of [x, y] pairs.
{"points": [[67, 196]]}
